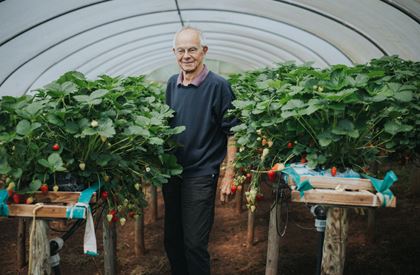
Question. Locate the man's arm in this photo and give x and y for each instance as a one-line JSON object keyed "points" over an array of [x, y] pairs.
{"points": [[229, 174]]}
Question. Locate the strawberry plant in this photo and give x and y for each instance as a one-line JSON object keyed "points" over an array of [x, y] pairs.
{"points": [[346, 117], [111, 130]]}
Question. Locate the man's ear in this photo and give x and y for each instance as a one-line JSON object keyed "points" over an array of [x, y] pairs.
{"points": [[205, 49]]}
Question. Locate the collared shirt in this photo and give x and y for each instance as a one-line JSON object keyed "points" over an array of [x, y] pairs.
{"points": [[197, 80]]}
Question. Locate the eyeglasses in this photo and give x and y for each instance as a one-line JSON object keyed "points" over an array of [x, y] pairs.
{"points": [[181, 51]]}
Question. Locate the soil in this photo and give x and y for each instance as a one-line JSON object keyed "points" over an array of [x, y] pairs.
{"points": [[393, 249]]}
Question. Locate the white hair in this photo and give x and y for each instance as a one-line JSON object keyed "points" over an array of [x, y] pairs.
{"points": [[185, 28]]}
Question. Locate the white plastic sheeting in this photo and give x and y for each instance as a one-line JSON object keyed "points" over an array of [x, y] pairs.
{"points": [[40, 40]]}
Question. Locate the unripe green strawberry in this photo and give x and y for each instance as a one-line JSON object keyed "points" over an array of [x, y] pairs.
{"points": [[264, 153], [11, 186]]}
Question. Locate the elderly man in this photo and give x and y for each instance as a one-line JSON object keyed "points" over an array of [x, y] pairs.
{"points": [[200, 99]]}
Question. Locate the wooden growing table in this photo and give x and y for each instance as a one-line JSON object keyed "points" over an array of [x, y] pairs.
{"points": [[337, 195], [56, 205]]}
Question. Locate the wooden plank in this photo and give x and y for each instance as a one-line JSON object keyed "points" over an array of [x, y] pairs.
{"points": [[337, 197], [342, 183], [334, 249], [57, 210], [47, 211], [273, 242], [60, 197], [324, 182]]}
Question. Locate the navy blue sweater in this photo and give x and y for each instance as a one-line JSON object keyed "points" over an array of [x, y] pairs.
{"points": [[201, 110]]}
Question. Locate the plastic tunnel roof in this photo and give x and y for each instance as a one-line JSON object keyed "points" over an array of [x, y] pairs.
{"points": [[40, 40]]}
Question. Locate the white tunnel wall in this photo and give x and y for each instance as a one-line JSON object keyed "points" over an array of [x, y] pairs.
{"points": [[40, 40]]}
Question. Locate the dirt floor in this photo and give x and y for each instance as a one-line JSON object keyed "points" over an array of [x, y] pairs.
{"points": [[394, 249]]}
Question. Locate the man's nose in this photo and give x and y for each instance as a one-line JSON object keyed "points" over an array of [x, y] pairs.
{"points": [[186, 54]]}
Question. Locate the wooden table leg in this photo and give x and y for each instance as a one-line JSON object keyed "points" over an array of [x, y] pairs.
{"points": [[110, 246], [251, 227], [273, 242], [21, 244], [334, 252], [139, 235], [153, 204]]}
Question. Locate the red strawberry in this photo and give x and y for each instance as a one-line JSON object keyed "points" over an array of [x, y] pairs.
{"points": [[233, 189], [56, 147], [104, 195], [44, 188], [333, 171], [16, 198], [112, 211], [271, 175], [112, 216]]}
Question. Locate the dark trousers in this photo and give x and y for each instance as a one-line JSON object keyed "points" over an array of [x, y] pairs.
{"points": [[189, 216]]}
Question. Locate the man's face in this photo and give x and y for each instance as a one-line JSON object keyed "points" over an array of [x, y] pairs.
{"points": [[188, 51]]}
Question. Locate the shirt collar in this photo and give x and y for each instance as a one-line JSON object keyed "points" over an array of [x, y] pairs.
{"points": [[197, 80]]}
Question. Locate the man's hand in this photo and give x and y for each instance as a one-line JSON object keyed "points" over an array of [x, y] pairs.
{"points": [[225, 188], [229, 174]]}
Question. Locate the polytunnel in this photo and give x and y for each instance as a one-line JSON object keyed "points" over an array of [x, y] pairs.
{"points": [[40, 40], [283, 139]]}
